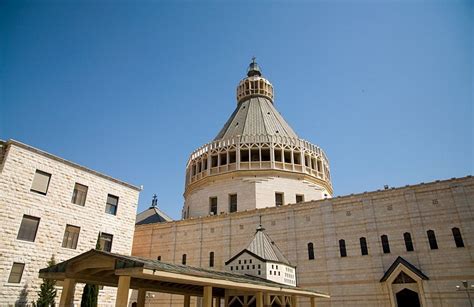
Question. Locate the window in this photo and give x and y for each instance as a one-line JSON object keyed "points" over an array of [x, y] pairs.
{"points": [[385, 244], [277, 153], [408, 241], [254, 155], [299, 198], [158, 258], [363, 246], [244, 155], [183, 259], [213, 160], [105, 241], [265, 152], [16, 273], [457, 237], [112, 203], [342, 248], [211, 259], [432, 239], [233, 203], [310, 251], [40, 182], [223, 158], [79, 194], [28, 228], [71, 235], [213, 205], [232, 157], [278, 199]]}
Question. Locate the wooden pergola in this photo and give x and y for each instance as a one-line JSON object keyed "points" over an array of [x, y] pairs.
{"points": [[128, 272]]}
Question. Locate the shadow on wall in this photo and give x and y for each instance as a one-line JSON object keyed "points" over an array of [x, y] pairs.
{"points": [[23, 297]]}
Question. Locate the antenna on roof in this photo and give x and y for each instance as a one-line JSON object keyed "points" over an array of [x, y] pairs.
{"points": [[154, 201], [260, 227]]}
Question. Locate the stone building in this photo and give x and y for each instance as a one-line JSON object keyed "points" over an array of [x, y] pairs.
{"points": [[406, 246], [53, 207]]}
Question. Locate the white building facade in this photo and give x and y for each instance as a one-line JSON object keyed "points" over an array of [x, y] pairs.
{"points": [[52, 207]]}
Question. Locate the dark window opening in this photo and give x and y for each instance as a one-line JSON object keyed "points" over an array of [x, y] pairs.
{"points": [[255, 155], [223, 158], [287, 154], [214, 161], [408, 242], [277, 153], [183, 259], [158, 258], [297, 157], [385, 244], [432, 239], [279, 199], [211, 259], [299, 198], [213, 205], [342, 248], [265, 154], [457, 237], [363, 246], [232, 157], [310, 251], [111, 205], [233, 203], [105, 241], [28, 228], [244, 155]]}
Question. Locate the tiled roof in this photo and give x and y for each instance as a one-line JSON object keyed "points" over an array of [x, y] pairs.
{"points": [[256, 116], [152, 215], [264, 247]]}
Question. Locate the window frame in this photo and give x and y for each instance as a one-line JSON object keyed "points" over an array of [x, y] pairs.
{"points": [[310, 251], [102, 236], [282, 199], [47, 185], [75, 238], [301, 196], [232, 205], [20, 275], [30, 217], [211, 205], [109, 205], [74, 194]]}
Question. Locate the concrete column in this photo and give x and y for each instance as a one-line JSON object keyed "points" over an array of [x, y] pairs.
{"points": [[141, 298], [294, 301], [187, 300], [259, 299], [67, 296], [313, 302], [122, 291], [207, 297], [267, 300]]}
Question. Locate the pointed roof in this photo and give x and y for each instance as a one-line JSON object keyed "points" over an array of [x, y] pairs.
{"points": [[255, 116], [408, 265], [152, 215], [264, 248]]}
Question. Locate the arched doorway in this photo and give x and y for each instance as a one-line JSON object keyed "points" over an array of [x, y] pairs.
{"points": [[407, 298]]}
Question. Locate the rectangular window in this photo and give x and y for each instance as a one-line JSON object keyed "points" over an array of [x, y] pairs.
{"points": [[28, 228], [213, 205], [40, 182], [278, 199], [244, 155], [79, 194], [105, 241], [71, 235], [112, 203], [232, 157], [214, 160], [299, 198], [16, 273], [233, 203], [277, 153]]}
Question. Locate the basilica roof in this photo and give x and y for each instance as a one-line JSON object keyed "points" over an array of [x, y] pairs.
{"points": [[256, 116]]}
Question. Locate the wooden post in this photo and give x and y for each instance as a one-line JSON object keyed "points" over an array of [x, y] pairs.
{"points": [[267, 300], [122, 291], [259, 299], [141, 298], [218, 301], [207, 296], [226, 298], [187, 300], [67, 296], [294, 301], [313, 302]]}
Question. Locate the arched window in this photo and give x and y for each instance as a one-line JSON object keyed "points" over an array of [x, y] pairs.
{"points": [[211, 259], [457, 237], [385, 244], [342, 248], [432, 239], [310, 251], [363, 246], [408, 241], [183, 260]]}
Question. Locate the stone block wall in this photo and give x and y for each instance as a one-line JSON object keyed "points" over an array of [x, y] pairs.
{"points": [[55, 211]]}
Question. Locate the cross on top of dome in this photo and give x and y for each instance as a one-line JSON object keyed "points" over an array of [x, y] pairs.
{"points": [[254, 69]]}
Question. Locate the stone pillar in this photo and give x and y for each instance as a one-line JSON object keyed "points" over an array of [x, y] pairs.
{"points": [[187, 300], [313, 302], [207, 296], [141, 298], [259, 299], [67, 295], [122, 291]]}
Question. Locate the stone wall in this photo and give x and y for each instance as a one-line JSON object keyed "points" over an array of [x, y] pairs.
{"points": [[55, 210], [353, 280]]}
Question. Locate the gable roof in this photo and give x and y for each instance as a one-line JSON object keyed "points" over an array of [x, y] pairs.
{"points": [[408, 265], [255, 116], [152, 215], [264, 248]]}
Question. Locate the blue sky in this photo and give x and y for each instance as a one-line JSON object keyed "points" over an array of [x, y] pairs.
{"points": [[132, 88]]}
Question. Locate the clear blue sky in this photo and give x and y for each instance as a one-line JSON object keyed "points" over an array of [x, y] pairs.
{"points": [[132, 88]]}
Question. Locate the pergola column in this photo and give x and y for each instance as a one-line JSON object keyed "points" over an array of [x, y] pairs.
{"points": [[259, 299], [187, 300], [267, 300], [122, 291], [313, 302], [218, 302], [294, 301], [67, 295], [141, 298], [207, 296]]}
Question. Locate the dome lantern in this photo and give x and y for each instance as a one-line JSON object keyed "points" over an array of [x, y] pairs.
{"points": [[254, 85]]}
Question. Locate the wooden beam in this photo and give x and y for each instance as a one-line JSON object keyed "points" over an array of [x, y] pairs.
{"points": [[122, 291], [207, 296], [141, 297], [259, 298], [313, 302], [187, 300], [67, 296]]}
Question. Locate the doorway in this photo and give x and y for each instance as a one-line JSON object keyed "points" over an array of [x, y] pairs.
{"points": [[407, 298]]}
